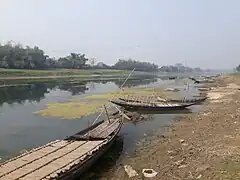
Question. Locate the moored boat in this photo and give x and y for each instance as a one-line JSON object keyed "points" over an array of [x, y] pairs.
{"points": [[201, 81], [164, 106], [63, 159], [195, 100]]}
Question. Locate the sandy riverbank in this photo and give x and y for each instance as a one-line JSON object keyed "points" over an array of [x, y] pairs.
{"points": [[203, 145]]}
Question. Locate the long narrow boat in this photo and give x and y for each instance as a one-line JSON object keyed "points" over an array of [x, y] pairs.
{"points": [[195, 100], [201, 81], [63, 159], [164, 106]]}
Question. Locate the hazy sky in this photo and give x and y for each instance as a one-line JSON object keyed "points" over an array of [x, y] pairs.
{"points": [[203, 33]]}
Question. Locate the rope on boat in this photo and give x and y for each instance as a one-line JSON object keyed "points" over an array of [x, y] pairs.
{"points": [[114, 95]]}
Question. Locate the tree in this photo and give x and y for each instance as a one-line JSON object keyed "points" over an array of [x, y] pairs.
{"points": [[139, 66], [73, 61], [92, 61]]}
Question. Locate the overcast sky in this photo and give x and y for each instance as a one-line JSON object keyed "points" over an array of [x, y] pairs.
{"points": [[203, 33]]}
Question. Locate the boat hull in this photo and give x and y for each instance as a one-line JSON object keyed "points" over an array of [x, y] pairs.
{"points": [[64, 159], [199, 100], [129, 106], [78, 170]]}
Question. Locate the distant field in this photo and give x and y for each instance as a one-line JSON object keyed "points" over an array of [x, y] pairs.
{"points": [[19, 73]]}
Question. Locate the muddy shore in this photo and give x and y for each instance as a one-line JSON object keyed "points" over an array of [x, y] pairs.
{"points": [[203, 145]]}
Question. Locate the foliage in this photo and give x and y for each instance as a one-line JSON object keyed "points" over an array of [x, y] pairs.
{"points": [[15, 56], [73, 61], [139, 66], [179, 68], [18, 57]]}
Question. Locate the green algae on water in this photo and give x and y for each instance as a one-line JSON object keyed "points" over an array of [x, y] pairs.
{"points": [[79, 107]]}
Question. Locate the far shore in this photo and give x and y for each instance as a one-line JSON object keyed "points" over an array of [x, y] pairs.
{"points": [[24, 74], [51, 77]]}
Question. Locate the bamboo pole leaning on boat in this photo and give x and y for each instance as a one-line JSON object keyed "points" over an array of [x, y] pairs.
{"points": [[114, 95]]}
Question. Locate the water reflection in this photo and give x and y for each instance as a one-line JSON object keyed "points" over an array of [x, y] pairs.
{"points": [[36, 91], [18, 94], [136, 82], [74, 88]]}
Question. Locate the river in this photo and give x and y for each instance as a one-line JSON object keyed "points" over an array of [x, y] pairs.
{"points": [[21, 129]]}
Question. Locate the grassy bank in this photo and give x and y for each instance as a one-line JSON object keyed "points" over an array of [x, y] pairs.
{"points": [[24, 74]]}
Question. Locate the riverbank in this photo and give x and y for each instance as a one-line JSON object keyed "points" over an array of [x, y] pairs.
{"points": [[59, 73], [203, 145]]}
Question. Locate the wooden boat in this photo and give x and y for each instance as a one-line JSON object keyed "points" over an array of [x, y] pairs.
{"points": [[201, 81], [201, 94], [205, 89], [63, 159], [195, 100], [172, 89], [164, 106], [172, 77]]}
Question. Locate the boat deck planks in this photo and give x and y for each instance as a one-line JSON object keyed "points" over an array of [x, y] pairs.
{"points": [[62, 162], [165, 104], [101, 131], [106, 132], [62, 158], [13, 164], [47, 160]]}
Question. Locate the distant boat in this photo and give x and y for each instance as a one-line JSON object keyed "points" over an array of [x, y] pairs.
{"points": [[172, 77], [63, 159], [201, 81], [172, 89]]}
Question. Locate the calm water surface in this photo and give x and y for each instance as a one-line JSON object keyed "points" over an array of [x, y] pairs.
{"points": [[21, 129]]}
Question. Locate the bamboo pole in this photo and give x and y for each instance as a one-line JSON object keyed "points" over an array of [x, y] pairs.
{"points": [[114, 96], [106, 113], [121, 112]]}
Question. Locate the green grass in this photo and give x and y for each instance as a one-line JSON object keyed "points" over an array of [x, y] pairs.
{"points": [[57, 72]]}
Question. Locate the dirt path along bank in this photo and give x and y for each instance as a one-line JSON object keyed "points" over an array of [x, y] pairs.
{"points": [[204, 145]]}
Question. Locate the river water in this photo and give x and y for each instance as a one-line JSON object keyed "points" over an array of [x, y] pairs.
{"points": [[21, 129]]}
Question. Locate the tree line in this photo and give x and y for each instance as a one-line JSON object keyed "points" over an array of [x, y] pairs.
{"points": [[179, 68], [19, 57], [16, 56]]}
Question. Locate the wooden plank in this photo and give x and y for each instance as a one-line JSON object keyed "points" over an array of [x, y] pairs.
{"points": [[29, 157], [101, 126], [106, 132], [62, 163], [98, 133], [40, 162], [28, 152], [109, 131]]}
